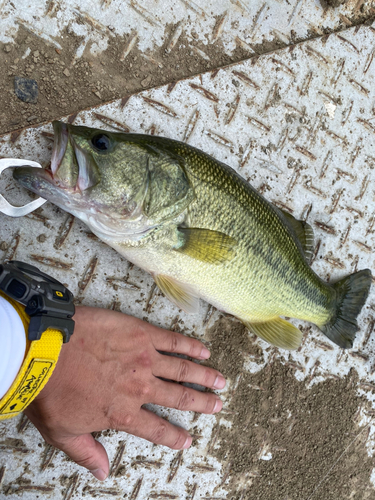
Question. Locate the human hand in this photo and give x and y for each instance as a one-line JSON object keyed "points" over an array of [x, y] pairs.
{"points": [[106, 372]]}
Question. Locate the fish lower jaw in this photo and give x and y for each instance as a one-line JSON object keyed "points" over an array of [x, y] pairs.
{"points": [[115, 234]]}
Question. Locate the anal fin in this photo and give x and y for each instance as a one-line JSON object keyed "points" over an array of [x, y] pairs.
{"points": [[178, 293], [277, 332]]}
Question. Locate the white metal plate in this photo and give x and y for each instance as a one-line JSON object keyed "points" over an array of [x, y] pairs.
{"points": [[299, 124], [235, 23]]}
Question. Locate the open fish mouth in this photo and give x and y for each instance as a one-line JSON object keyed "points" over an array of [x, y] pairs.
{"points": [[72, 169], [61, 138]]}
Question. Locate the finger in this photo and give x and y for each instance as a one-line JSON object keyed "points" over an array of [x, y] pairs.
{"points": [[149, 426], [165, 340], [182, 370], [180, 397], [88, 452]]}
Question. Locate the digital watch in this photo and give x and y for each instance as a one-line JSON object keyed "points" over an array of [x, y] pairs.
{"points": [[47, 318]]}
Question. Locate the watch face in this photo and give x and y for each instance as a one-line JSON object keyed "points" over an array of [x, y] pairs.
{"points": [[48, 303], [16, 289]]}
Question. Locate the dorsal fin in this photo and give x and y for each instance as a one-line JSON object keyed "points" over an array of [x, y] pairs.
{"points": [[303, 232]]}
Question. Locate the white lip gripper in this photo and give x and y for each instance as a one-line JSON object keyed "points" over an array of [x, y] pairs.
{"points": [[5, 207]]}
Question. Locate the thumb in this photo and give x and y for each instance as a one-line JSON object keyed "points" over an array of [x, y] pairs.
{"points": [[89, 453]]}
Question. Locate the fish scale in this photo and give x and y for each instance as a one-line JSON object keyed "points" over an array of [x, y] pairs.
{"points": [[253, 219]]}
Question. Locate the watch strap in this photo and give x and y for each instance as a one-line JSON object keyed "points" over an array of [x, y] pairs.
{"points": [[40, 361]]}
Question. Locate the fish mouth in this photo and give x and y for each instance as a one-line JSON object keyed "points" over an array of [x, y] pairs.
{"points": [[40, 181], [61, 178], [60, 143]]}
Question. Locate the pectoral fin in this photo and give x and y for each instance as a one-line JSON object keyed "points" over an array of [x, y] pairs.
{"points": [[277, 332], [206, 245], [178, 293]]}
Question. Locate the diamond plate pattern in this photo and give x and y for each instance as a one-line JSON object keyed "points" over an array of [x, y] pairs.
{"points": [[231, 23], [299, 124]]}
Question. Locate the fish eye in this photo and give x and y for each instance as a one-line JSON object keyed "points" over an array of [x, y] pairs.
{"points": [[101, 142]]}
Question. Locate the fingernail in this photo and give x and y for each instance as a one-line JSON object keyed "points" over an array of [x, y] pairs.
{"points": [[218, 406], [99, 474], [219, 382], [205, 353], [187, 443]]}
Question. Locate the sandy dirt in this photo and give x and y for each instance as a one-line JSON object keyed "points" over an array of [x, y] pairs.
{"points": [[317, 447]]}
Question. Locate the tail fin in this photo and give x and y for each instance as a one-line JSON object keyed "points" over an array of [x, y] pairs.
{"points": [[351, 294]]}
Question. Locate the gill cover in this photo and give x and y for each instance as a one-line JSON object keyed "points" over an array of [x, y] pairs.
{"points": [[168, 191]]}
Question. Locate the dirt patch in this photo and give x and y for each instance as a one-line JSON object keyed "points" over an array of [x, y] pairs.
{"points": [[287, 442], [230, 342], [67, 84]]}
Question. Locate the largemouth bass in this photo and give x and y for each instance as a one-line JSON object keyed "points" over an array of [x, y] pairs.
{"points": [[200, 229]]}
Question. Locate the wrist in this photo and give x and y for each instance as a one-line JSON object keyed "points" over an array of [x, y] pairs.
{"points": [[38, 362], [47, 322]]}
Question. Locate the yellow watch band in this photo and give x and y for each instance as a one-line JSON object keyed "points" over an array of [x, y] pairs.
{"points": [[37, 367]]}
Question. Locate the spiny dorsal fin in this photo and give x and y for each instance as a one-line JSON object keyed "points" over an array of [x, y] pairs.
{"points": [[277, 332], [206, 245], [178, 293], [304, 233]]}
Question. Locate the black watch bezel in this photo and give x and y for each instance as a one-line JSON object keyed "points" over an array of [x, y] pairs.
{"points": [[48, 302]]}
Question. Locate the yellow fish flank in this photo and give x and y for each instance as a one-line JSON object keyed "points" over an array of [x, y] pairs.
{"points": [[200, 229]]}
